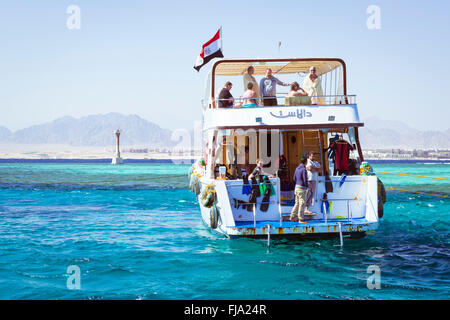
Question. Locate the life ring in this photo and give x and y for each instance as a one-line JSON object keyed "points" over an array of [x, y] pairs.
{"points": [[214, 216]]}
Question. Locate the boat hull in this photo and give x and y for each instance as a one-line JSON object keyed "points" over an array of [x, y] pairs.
{"points": [[237, 223], [357, 228], [306, 231]]}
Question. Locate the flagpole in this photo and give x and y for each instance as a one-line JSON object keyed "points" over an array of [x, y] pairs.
{"points": [[221, 36]]}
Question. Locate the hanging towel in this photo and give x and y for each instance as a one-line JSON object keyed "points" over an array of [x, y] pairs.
{"points": [[330, 153], [265, 200], [341, 155], [327, 206], [255, 187], [265, 184], [246, 188], [342, 180], [255, 193]]}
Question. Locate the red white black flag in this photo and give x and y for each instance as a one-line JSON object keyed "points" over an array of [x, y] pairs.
{"points": [[211, 49]]}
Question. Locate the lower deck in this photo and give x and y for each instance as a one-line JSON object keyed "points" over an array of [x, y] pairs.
{"points": [[357, 227]]}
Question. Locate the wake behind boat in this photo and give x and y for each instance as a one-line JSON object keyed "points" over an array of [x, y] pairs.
{"points": [[325, 123]]}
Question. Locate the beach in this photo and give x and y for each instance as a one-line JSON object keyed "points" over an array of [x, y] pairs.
{"points": [[58, 151], [61, 152]]}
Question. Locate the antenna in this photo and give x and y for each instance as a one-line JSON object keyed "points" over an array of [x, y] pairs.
{"points": [[279, 46]]}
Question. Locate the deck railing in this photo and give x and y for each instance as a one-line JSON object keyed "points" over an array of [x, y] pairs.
{"points": [[284, 100]]}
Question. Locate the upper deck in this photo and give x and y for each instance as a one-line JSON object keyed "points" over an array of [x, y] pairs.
{"points": [[333, 108]]}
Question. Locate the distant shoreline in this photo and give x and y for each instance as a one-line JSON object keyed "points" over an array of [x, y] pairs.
{"points": [[182, 161], [100, 160]]}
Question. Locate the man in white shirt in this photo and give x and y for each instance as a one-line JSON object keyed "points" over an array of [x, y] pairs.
{"points": [[313, 168], [312, 85], [248, 77]]}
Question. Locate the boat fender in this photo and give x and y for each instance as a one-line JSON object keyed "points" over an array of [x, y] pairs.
{"points": [[214, 216], [380, 210], [198, 186], [328, 183], [208, 200], [192, 182], [208, 196], [381, 198]]}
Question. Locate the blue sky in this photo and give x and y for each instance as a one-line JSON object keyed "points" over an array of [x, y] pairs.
{"points": [[136, 57]]}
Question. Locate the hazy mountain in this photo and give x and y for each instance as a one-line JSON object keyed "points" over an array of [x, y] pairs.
{"points": [[94, 130], [378, 133], [97, 130], [5, 134]]}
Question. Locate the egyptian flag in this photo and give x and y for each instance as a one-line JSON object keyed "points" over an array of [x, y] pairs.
{"points": [[211, 49]]}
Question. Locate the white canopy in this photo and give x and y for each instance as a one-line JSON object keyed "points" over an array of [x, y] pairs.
{"points": [[235, 67]]}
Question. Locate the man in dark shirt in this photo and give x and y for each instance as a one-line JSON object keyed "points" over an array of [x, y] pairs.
{"points": [[226, 100], [301, 189]]}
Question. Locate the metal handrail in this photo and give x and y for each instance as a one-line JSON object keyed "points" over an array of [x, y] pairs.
{"points": [[343, 99]]}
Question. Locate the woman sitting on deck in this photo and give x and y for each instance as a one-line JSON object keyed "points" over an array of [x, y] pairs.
{"points": [[294, 90], [296, 97]]}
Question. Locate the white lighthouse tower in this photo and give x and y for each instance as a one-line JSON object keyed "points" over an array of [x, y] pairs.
{"points": [[117, 159]]}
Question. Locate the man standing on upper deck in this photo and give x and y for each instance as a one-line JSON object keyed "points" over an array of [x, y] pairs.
{"points": [[268, 88], [248, 77], [313, 86]]}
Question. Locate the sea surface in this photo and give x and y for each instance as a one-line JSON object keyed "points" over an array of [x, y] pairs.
{"points": [[135, 232]]}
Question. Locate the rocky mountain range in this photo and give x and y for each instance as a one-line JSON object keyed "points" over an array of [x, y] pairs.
{"points": [[93, 130], [380, 134], [97, 130]]}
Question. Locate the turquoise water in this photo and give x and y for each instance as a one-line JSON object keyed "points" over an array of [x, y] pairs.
{"points": [[135, 232]]}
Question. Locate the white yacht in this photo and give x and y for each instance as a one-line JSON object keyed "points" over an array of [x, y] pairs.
{"points": [[345, 202]]}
